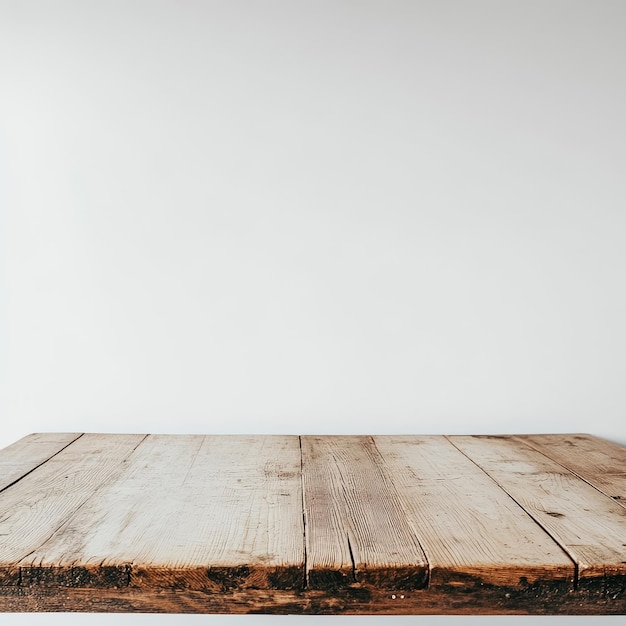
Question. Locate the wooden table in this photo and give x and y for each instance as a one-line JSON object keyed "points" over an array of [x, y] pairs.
{"points": [[314, 524]]}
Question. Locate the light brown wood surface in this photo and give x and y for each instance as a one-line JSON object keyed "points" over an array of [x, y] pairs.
{"points": [[355, 522], [599, 462], [28, 453], [192, 511], [42, 503], [526, 524], [590, 526], [468, 526]]}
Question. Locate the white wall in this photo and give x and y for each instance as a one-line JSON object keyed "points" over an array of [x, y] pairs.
{"points": [[312, 216]]}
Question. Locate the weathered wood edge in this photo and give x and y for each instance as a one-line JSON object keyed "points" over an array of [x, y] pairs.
{"points": [[151, 578], [476, 598]]}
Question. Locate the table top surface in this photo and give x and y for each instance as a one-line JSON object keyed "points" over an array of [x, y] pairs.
{"points": [[313, 524]]}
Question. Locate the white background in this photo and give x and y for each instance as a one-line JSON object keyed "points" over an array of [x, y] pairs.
{"points": [[312, 217]]}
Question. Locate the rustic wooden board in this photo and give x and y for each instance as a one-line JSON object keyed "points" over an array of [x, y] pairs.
{"points": [[199, 512], [314, 524], [356, 527], [589, 525], [468, 526], [38, 505]]}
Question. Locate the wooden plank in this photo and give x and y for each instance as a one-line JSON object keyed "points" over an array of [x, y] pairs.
{"points": [[356, 529], [470, 529], [40, 504], [352, 600], [600, 462], [211, 513], [588, 524], [25, 455]]}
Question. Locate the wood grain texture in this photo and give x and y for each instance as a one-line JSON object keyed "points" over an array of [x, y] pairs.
{"points": [[25, 455], [352, 600], [384, 525], [204, 512], [590, 526], [40, 504], [356, 528], [600, 462], [468, 526]]}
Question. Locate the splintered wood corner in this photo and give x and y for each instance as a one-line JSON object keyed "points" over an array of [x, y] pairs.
{"points": [[529, 524]]}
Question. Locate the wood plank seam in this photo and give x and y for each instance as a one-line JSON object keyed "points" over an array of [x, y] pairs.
{"points": [[532, 517], [590, 525], [357, 531], [472, 532], [127, 568], [617, 499], [389, 483], [304, 551], [40, 464], [119, 573], [384, 470]]}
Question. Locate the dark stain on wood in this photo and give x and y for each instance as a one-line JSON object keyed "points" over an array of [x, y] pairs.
{"points": [[406, 578], [329, 580], [106, 576], [228, 578], [291, 578]]}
